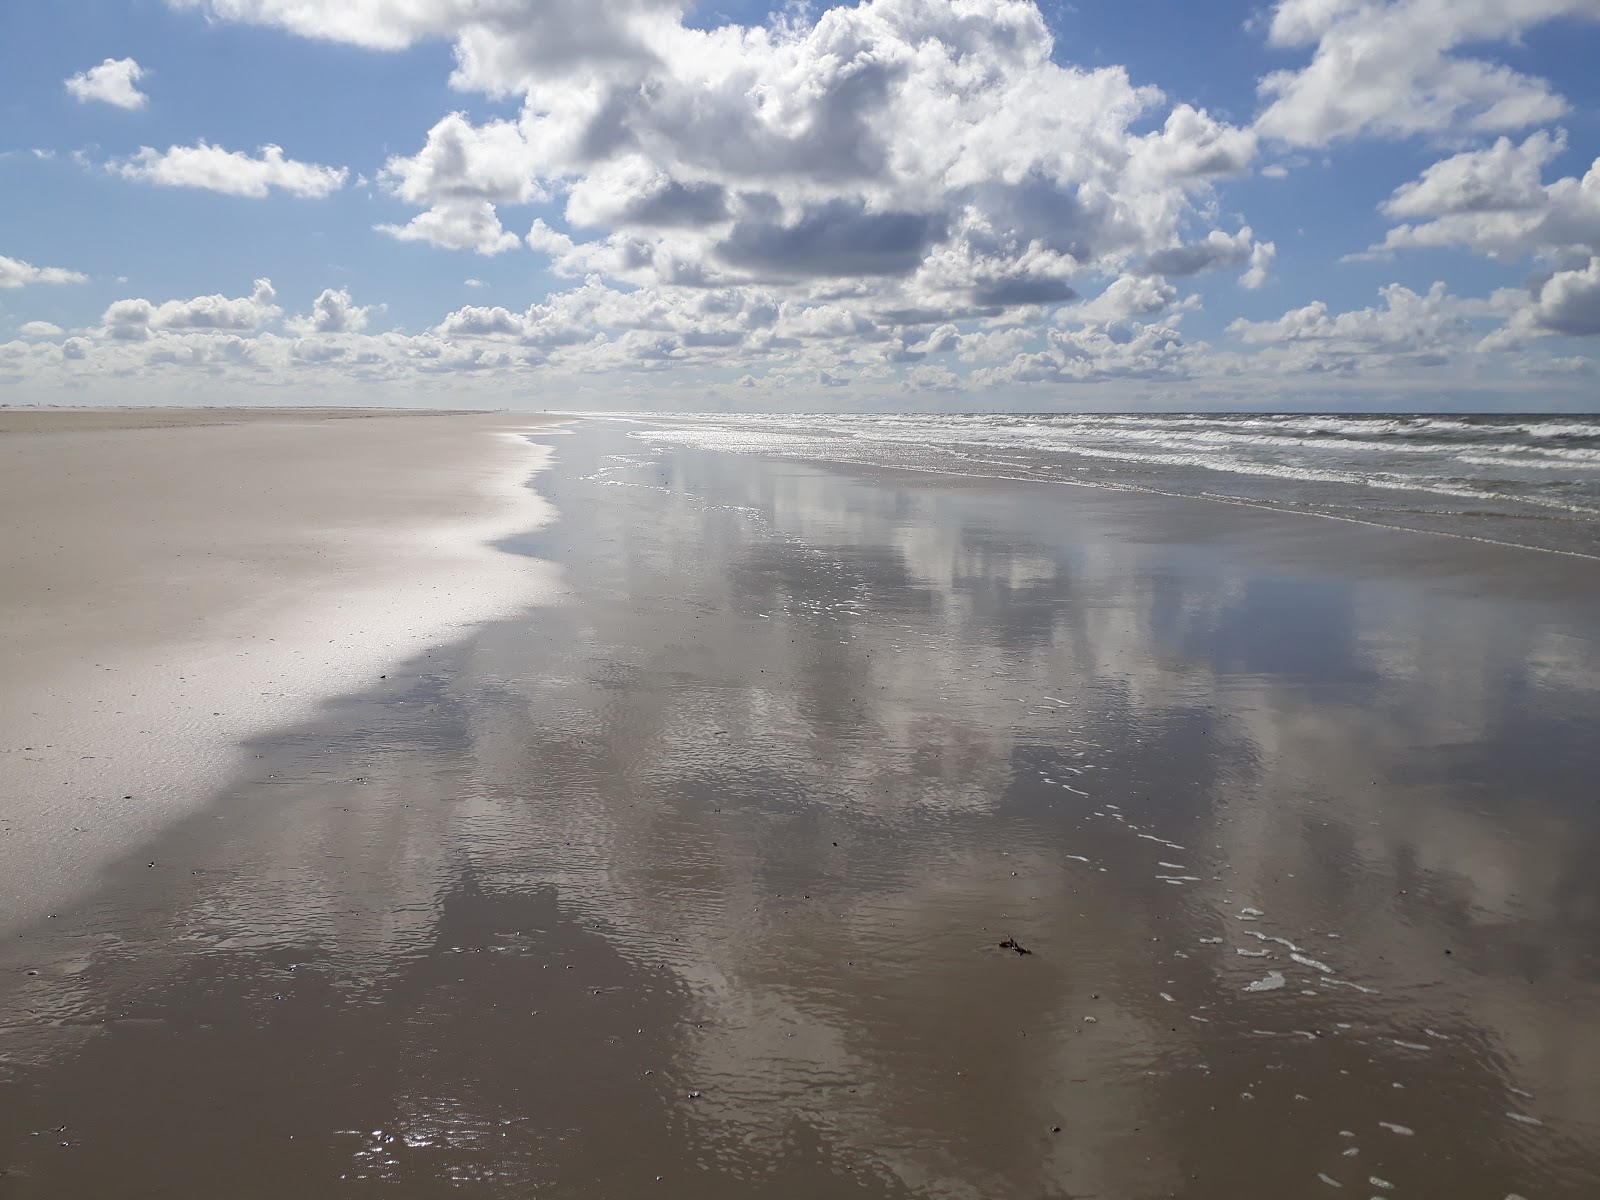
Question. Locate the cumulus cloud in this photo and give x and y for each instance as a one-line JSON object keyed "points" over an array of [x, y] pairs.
{"points": [[1505, 177], [893, 192], [1216, 250], [1405, 318], [596, 325], [459, 175], [1395, 67], [900, 156], [499, 43], [231, 172], [1258, 274], [1492, 201], [1564, 303], [469, 225], [1408, 329], [1096, 353], [15, 273], [1129, 297], [932, 379], [462, 161], [135, 319], [40, 329], [331, 312], [112, 82], [1569, 302]]}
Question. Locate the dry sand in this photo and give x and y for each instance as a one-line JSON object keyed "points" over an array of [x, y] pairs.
{"points": [[103, 420], [176, 580]]}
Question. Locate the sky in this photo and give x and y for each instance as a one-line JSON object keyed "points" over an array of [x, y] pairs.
{"points": [[967, 205]]}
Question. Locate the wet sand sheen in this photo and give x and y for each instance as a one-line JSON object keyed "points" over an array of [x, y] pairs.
{"points": [[696, 882]]}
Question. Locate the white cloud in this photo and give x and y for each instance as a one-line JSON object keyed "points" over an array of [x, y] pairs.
{"points": [[231, 172], [134, 320], [1261, 256], [15, 273], [500, 44], [1393, 67], [1130, 297], [1558, 367], [459, 175], [331, 312], [1493, 202], [1569, 302], [900, 156], [469, 225], [1405, 318], [464, 162], [602, 343], [41, 329], [1095, 354], [1410, 329], [1217, 250], [1504, 177], [885, 192], [932, 379], [474, 283], [1566, 303], [376, 24], [594, 325], [112, 82]]}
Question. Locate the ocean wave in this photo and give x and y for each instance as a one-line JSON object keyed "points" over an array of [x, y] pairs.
{"points": [[1514, 465]]}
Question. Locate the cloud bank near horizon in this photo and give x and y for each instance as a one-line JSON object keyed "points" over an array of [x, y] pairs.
{"points": [[927, 201]]}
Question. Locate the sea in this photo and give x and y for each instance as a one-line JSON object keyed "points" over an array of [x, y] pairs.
{"points": [[1524, 480]]}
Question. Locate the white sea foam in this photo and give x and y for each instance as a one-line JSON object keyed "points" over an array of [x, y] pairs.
{"points": [[1271, 983], [1457, 465], [1307, 961], [1267, 937]]}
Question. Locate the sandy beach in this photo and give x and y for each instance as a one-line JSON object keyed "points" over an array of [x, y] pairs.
{"points": [[178, 580], [744, 827]]}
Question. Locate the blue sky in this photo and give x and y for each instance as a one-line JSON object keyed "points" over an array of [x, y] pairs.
{"points": [[966, 204]]}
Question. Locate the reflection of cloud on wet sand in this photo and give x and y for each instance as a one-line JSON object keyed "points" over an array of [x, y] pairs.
{"points": [[1292, 738], [789, 790]]}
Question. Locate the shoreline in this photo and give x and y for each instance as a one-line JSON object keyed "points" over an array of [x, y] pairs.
{"points": [[699, 882], [173, 591], [1353, 475]]}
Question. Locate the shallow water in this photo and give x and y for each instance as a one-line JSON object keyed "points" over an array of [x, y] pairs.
{"points": [[696, 883], [1525, 480]]}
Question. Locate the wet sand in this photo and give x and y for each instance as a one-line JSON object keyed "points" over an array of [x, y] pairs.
{"points": [[693, 884]]}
